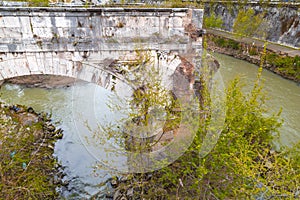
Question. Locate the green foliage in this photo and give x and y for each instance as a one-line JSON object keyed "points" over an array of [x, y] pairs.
{"points": [[37, 3], [285, 64], [248, 23], [226, 43], [213, 21], [181, 3], [26, 163]]}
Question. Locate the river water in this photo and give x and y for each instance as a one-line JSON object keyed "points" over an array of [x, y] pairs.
{"points": [[84, 102], [281, 93]]}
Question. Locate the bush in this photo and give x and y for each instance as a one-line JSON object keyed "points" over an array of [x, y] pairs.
{"points": [[226, 43], [285, 64], [213, 21]]}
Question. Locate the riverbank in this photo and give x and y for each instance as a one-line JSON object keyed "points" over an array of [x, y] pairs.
{"points": [[282, 62], [28, 168]]}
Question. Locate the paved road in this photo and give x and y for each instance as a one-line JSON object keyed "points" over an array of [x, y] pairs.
{"points": [[271, 46]]}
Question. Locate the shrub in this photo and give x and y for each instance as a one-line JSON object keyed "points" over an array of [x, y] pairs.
{"points": [[213, 21]]}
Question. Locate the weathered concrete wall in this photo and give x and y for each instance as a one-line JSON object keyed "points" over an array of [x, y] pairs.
{"points": [[62, 41], [282, 23]]}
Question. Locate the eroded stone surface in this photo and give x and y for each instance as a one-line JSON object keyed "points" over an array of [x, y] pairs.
{"points": [[78, 42]]}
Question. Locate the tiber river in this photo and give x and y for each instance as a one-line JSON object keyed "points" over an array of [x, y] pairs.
{"points": [[69, 105]]}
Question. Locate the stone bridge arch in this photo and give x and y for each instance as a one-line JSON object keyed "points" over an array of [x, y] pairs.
{"points": [[66, 64], [83, 65]]}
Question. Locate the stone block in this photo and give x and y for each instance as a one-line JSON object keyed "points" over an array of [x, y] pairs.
{"points": [[86, 74], [55, 65], [197, 18], [42, 32], [26, 28], [69, 69], [10, 22], [63, 22], [33, 66], [2, 73], [40, 22], [76, 57], [48, 63], [22, 66], [176, 32], [13, 32], [176, 22], [40, 60]]}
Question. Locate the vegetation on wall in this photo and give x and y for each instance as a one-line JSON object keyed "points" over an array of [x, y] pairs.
{"points": [[36, 3], [213, 21], [247, 23]]}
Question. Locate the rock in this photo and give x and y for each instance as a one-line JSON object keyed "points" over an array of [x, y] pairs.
{"points": [[50, 146], [51, 128], [123, 178], [27, 119], [129, 192], [15, 108], [114, 182], [30, 110], [59, 135], [213, 63], [119, 196]]}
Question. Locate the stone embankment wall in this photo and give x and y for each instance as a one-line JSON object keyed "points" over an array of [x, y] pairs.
{"points": [[281, 21]]}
